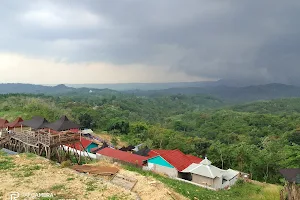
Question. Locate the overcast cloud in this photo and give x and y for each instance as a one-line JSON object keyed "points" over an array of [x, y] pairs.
{"points": [[173, 40]]}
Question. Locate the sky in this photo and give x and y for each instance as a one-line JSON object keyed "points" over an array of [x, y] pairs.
{"points": [[126, 41]]}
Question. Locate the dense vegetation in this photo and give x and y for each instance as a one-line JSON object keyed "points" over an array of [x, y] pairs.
{"points": [[257, 138]]}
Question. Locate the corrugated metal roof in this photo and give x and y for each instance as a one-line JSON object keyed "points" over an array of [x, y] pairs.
{"points": [[291, 174], [87, 131], [207, 170], [85, 143], [36, 122], [122, 155], [176, 158], [229, 174], [63, 124]]}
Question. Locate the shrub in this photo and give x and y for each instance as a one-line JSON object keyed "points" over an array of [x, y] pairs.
{"points": [[66, 163], [239, 182]]}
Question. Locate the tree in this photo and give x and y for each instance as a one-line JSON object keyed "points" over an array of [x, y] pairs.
{"points": [[86, 120], [294, 137], [201, 146], [121, 126], [114, 141], [139, 130]]}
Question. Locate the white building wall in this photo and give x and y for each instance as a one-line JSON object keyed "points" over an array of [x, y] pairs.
{"points": [[81, 153], [171, 172], [217, 183], [232, 181]]}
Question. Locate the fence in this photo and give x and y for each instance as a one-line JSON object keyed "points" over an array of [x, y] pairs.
{"points": [[33, 138], [81, 153], [190, 182]]}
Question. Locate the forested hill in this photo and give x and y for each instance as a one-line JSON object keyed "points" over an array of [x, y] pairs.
{"points": [[231, 94], [13, 88], [277, 106], [224, 93], [257, 138]]}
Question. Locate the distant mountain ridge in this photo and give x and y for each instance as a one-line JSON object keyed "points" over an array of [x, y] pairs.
{"points": [[161, 86], [146, 86], [6, 88], [229, 93], [235, 94]]}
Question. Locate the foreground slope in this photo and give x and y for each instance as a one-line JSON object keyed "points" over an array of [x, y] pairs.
{"points": [[31, 174], [27, 173]]}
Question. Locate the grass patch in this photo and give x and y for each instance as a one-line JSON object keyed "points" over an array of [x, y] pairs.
{"points": [[6, 162], [26, 171], [70, 179], [42, 191], [30, 155], [82, 161], [32, 167], [58, 187], [57, 197], [91, 186], [3, 154], [66, 163], [114, 197], [241, 191]]}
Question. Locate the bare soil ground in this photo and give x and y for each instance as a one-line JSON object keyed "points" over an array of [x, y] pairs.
{"points": [[31, 175], [150, 188], [146, 187], [37, 175]]}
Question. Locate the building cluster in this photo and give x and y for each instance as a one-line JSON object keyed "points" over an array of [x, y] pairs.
{"points": [[172, 163]]}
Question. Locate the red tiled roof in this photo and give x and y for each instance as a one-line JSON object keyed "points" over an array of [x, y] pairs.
{"points": [[122, 155], [15, 123], [3, 122], [194, 159], [157, 152], [85, 143], [176, 158]]}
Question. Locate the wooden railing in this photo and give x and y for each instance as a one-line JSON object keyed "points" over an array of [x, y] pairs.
{"points": [[34, 138], [63, 138], [26, 138]]}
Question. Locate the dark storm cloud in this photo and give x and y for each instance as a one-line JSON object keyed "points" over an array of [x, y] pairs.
{"points": [[254, 39]]}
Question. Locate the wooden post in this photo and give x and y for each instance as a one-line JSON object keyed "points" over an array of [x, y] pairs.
{"points": [[58, 156]]}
